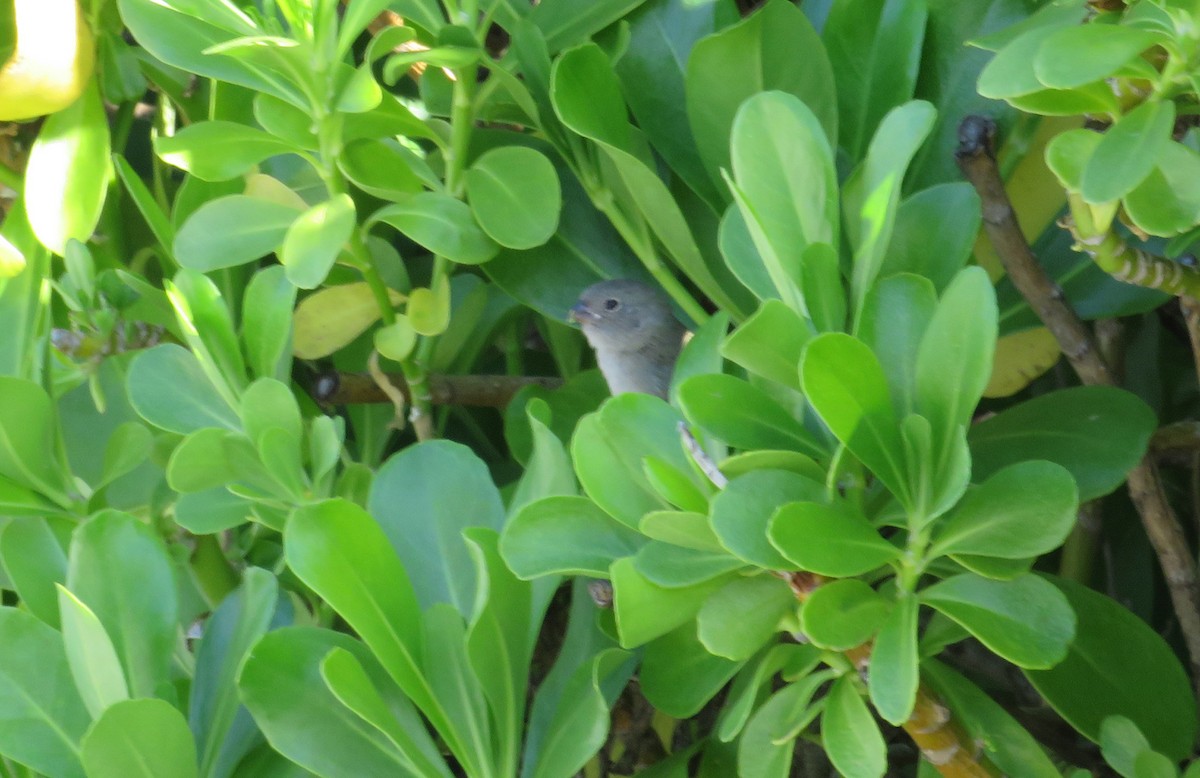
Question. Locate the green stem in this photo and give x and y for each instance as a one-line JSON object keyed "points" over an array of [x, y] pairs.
{"points": [[1123, 262]]}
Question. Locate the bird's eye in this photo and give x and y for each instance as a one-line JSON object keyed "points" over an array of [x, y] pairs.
{"points": [[611, 304]]}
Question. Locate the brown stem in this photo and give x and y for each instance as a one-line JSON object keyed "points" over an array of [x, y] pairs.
{"points": [[485, 391], [976, 159]]}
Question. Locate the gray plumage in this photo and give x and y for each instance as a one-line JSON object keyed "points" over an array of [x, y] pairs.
{"points": [[634, 333]]}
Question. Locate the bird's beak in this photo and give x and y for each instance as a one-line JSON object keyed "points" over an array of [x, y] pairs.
{"points": [[580, 314]]}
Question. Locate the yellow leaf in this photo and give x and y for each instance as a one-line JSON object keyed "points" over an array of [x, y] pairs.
{"points": [[329, 319], [52, 60], [265, 187], [1020, 358]]}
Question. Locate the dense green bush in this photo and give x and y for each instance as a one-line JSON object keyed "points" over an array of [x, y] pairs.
{"points": [[874, 529]]}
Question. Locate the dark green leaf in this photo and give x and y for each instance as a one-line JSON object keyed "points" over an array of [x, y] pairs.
{"points": [[1138, 676], [679, 675], [1097, 433], [770, 343]]}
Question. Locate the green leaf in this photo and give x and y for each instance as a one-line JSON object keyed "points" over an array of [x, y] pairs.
{"points": [[896, 314], [139, 739], [678, 528], [232, 230], [34, 562], [894, 673], [31, 451], [1138, 676], [834, 540], [844, 614], [423, 498], [846, 386], [267, 323], [679, 675], [875, 50], [608, 448], [354, 688], [795, 661], [135, 600], [579, 725], [954, 360], [871, 197], [1023, 510], [223, 729], [149, 208], [766, 747], [587, 98], [743, 510], [90, 655], [1097, 433], [207, 324], [565, 535], [849, 733], [769, 343], [500, 642], [661, 37], [315, 239], [1011, 72], [514, 193], [337, 549], [743, 416], [1121, 742], [441, 224], [169, 389], [282, 685], [571, 21], [743, 615], [67, 174], [1128, 152], [36, 689], [1006, 743], [1074, 56], [1167, 202], [785, 185], [952, 212], [675, 566], [1026, 620], [645, 611], [756, 55], [219, 150], [380, 168]]}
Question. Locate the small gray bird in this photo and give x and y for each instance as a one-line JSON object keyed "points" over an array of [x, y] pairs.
{"points": [[634, 333]]}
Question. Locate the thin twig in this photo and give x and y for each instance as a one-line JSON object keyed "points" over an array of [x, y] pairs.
{"points": [[482, 391], [976, 159]]}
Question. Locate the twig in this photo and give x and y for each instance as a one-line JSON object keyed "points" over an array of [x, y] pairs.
{"points": [[483, 391], [976, 159]]}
